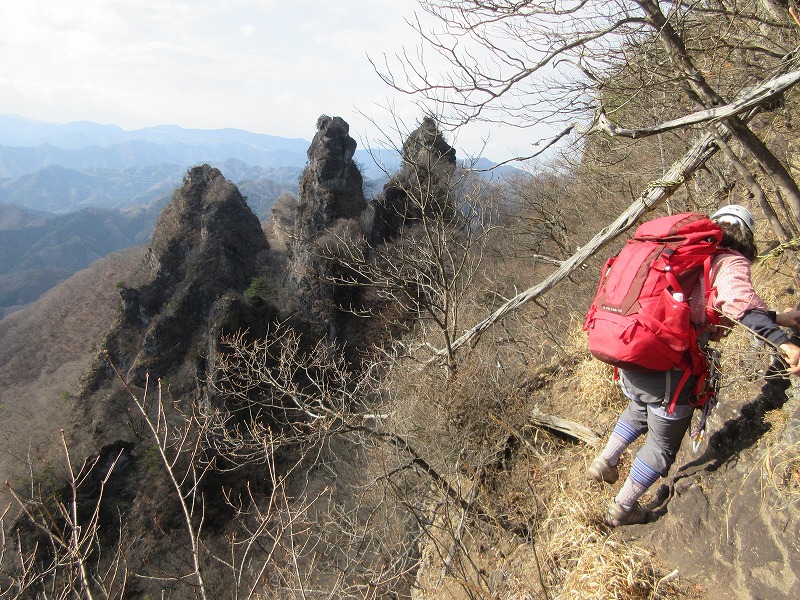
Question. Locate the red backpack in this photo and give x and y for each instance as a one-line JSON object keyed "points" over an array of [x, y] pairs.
{"points": [[639, 319]]}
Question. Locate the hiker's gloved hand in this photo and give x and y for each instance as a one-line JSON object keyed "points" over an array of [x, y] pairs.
{"points": [[790, 318], [791, 355]]}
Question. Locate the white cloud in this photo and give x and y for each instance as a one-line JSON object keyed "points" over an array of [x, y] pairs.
{"points": [[264, 65]]}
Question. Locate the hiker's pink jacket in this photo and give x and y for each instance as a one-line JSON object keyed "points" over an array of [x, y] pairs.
{"points": [[734, 294]]}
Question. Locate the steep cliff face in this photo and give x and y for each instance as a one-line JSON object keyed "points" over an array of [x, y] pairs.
{"points": [[330, 201], [206, 247], [729, 516], [206, 243], [423, 186]]}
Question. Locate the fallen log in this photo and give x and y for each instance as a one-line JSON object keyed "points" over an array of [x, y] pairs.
{"points": [[572, 429], [653, 196]]}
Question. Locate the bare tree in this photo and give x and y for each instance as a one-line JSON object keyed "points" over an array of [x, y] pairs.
{"points": [[423, 243], [325, 407], [176, 444], [61, 554], [533, 63]]}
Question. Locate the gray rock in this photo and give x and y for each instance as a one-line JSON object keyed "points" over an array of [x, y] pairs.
{"points": [[722, 521]]}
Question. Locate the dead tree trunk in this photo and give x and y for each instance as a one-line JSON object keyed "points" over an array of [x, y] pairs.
{"points": [[698, 87], [656, 193]]}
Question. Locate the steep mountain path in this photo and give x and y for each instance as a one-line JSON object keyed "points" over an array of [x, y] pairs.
{"points": [[729, 516]]}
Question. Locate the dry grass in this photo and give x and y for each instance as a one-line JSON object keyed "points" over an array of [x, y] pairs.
{"points": [[781, 472], [773, 277], [779, 464], [586, 559], [540, 360], [581, 557], [571, 553], [596, 386], [475, 428]]}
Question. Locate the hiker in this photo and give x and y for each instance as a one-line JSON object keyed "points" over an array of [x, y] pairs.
{"points": [[652, 393]]}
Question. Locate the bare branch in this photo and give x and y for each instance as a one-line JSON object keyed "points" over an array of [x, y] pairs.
{"points": [[652, 197], [751, 99]]}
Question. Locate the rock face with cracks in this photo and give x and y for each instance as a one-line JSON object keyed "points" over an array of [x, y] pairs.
{"points": [[205, 248], [728, 517], [330, 201], [331, 186]]}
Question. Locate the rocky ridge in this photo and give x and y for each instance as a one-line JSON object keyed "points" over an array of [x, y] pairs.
{"points": [[205, 251], [421, 187], [716, 523]]}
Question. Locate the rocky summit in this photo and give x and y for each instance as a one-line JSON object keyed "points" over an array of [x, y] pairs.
{"points": [[331, 186], [415, 482], [330, 201], [421, 187], [205, 251]]}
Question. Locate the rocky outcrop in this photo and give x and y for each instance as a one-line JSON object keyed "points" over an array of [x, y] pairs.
{"points": [[423, 186], [206, 244], [729, 518], [331, 198], [205, 251], [331, 186]]}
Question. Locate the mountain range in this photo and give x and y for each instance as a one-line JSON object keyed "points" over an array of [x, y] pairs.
{"points": [[27, 146], [71, 193]]}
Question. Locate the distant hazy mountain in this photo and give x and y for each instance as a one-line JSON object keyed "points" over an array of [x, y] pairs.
{"points": [[59, 190], [71, 193], [43, 252], [29, 145], [15, 217]]}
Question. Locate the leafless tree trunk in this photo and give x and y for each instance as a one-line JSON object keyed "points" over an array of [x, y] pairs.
{"points": [[701, 89], [522, 65], [651, 198]]}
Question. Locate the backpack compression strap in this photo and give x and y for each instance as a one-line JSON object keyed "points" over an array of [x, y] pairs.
{"points": [[697, 363]]}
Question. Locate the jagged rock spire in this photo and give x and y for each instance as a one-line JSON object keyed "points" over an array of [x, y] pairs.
{"points": [[331, 186], [207, 232], [206, 244], [331, 198], [423, 186]]}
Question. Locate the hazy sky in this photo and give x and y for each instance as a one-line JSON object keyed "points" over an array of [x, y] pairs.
{"points": [[267, 66]]}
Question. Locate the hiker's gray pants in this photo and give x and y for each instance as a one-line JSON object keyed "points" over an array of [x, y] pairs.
{"points": [[650, 395]]}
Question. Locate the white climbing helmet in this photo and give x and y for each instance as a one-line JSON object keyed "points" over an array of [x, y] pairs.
{"points": [[734, 214]]}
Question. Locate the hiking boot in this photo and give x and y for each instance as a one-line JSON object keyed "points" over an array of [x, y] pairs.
{"points": [[618, 515], [601, 471]]}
